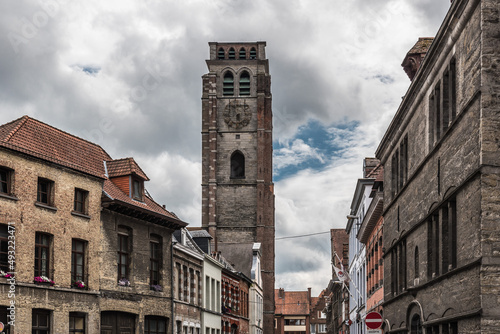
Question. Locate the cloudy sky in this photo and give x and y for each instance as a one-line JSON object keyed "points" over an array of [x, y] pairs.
{"points": [[127, 75]]}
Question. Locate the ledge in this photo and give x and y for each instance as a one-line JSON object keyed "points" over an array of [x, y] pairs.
{"points": [[45, 206], [79, 214], [10, 197]]}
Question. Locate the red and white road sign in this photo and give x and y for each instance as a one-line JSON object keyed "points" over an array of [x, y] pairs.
{"points": [[373, 320]]}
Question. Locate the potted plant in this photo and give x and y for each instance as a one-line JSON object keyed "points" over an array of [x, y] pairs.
{"points": [[79, 284], [123, 282], [43, 280]]}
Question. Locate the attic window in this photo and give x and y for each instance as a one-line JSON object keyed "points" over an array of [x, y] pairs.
{"points": [[137, 189]]}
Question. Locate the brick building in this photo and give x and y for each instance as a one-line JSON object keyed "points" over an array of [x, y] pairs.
{"points": [[85, 240], [441, 183], [370, 234], [293, 309], [188, 261], [317, 317], [237, 186], [337, 306]]}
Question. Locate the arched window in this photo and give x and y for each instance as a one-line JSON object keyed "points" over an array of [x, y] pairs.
{"points": [[237, 165], [242, 54], [416, 325], [228, 85], [221, 54], [232, 53], [253, 53], [417, 263], [244, 83]]}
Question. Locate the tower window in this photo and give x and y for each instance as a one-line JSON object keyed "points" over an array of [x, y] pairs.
{"points": [[232, 53], [242, 54], [253, 53], [237, 166], [221, 54], [228, 84], [244, 83]]}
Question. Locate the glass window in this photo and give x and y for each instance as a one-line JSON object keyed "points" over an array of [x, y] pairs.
{"points": [[78, 260], [40, 322], [137, 189], [77, 323], [155, 325], [42, 254], [155, 260], [4, 248], [45, 191], [80, 204], [123, 254], [5, 180]]}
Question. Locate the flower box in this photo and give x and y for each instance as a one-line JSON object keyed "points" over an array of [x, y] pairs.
{"points": [[123, 282], [43, 280], [157, 288], [79, 285]]}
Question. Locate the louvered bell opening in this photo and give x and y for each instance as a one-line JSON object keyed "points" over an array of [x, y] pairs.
{"points": [[232, 54], [221, 54], [243, 53], [245, 84], [228, 85], [253, 54]]}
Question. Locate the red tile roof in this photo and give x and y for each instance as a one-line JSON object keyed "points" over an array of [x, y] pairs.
{"points": [[292, 303], [30, 136], [35, 138], [125, 166]]}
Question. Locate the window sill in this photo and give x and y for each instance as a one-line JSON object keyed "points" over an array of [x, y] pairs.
{"points": [[46, 206], [79, 214], [11, 197]]}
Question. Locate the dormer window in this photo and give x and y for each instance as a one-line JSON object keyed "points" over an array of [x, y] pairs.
{"points": [[137, 189]]}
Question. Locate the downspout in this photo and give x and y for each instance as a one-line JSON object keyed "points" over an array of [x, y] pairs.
{"points": [[172, 281]]}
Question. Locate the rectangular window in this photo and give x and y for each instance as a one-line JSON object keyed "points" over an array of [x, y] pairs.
{"points": [[398, 268], [81, 197], [78, 260], [45, 191], [155, 325], [77, 323], [3, 318], [40, 322], [42, 254], [137, 189], [6, 180], [4, 248], [155, 260], [123, 255]]}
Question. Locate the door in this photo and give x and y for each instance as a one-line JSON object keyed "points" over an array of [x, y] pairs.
{"points": [[117, 323]]}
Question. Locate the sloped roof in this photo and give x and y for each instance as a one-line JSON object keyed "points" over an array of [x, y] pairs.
{"points": [[199, 233], [125, 166], [292, 303], [30, 136], [422, 45]]}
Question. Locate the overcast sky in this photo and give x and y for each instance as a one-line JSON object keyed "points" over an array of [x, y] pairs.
{"points": [[127, 75]]}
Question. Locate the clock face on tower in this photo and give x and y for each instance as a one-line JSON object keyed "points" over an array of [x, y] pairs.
{"points": [[237, 114]]}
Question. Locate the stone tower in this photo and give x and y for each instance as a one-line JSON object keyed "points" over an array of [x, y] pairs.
{"points": [[237, 186]]}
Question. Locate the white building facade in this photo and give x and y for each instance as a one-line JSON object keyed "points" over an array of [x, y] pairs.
{"points": [[211, 314], [256, 294]]}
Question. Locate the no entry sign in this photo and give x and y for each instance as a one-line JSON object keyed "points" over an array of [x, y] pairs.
{"points": [[373, 320]]}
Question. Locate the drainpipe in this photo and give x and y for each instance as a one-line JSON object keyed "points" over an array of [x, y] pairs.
{"points": [[172, 281]]}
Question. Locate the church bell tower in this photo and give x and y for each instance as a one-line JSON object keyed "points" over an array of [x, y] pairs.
{"points": [[237, 186]]}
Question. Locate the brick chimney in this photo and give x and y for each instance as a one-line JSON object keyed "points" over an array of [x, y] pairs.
{"points": [[416, 55], [281, 293]]}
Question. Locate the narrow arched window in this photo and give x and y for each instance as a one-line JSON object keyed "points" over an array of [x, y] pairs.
{"points": [[244, 83], [228, 84], [242, 54], [416, 325], [221, 54], [232, 53], [417, 263], [253, 53], [237, 166]]}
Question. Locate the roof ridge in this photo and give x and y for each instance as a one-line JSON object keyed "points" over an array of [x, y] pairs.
{"points": [[65, 133], [23, 119]]}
